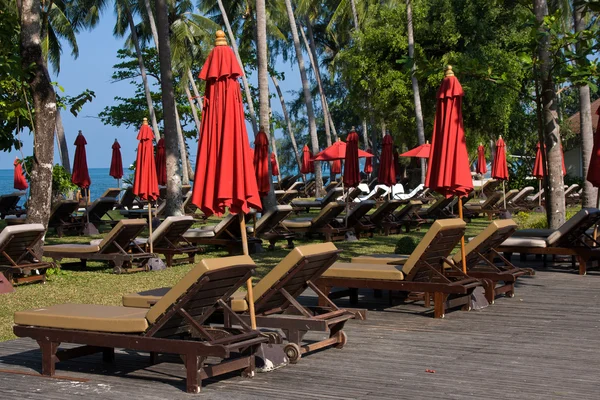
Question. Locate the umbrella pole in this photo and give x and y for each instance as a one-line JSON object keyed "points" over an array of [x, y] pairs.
{"points": [[504, 194], [249, 282], [540, 191], [150, 225], [87, 204], [598, 206], [462, 239]]}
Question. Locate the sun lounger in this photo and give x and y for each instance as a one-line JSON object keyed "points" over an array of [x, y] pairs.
{"points": [[384, 212], [490, 187], [118, 247], [19, 260], [518, 202], [174, 325], [426, 270], [331, 195], [377, 193], [571, 239], [61, 217], [226, 234], [488, 206], [129, 201], [98, 209], [112, 193], [439, 209], [356, 219], [269, 227], [276, 304], [407, 217], [9, 204], [320, 224], [506, 199], [285, 196]]}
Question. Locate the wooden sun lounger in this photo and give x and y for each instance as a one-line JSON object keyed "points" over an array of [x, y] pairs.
{"points": [[118, 247], [490, 187], [571, 239], [306, 204], [488, 206], [276, 304], [19, 260], [320, 224], [98, 209], [407, 217], [226, 234], [112, 193], [8, 204], [356, 219], [269, 227], [426, 270], [384, 212], [174, 325], [61, 217], [285, 196], [439, 209], [518, 202]]}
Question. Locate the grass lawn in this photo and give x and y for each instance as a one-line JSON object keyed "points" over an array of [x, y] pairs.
{"points": [[97, 284]]}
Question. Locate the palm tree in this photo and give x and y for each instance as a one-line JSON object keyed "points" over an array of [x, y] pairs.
{"points": [[288, 121]]}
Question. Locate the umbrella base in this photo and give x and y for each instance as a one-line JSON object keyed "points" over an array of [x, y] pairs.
{"points": [[478, 299], [270, 357], [90, 229], [5, 285], [539, 209]]}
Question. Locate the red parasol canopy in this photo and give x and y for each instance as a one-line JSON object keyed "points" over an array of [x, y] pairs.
{"points": [[336, 167], [500, 168], [368, 163], [274, 165], [261, 160], [307, 163], [337, 151], [421, 151], [116, 163], [387, 171], [538, 166], [161, 162], [20, 181], [145, 183], [224, 174], [81, 175], [448, 169], [481, 163], [351, 170], [593, 174]]}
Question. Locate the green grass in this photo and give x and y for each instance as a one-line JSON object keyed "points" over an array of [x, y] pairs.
{"points": [[97, 284]]}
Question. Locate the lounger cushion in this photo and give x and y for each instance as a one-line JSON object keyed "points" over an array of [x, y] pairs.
{"points": [[364, 271], [379, 259], [272, 217], [87, 317], [10, 231], [297, 223], [72, 248], [306, 203], [196, 233], [573, 222], [524, 242], [538, 233], [205, 265], [148, 298], [485, 235]]}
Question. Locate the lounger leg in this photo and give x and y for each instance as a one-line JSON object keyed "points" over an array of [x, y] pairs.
{"points": [[427, 299], [354, 296], [582, 265], [192, 367], [108, 355], [48, 356], [153, 358], [326, 290], [438, 304], [169, 260]]}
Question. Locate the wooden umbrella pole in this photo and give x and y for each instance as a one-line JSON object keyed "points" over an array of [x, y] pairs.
{"points": [[504, 193], [540, 191], [249, 282], [462, 239], [87, 205], [598, 206], [150, 226]]}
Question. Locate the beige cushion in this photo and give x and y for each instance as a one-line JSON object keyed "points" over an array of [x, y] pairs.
{"points": [[570, 225], [164, 227], [297, 223], [205, 265], [364, 271], [148, 298], [72, 248], [87, 317], [197, 233], [524, 242], [379, 259], [9, 231]]}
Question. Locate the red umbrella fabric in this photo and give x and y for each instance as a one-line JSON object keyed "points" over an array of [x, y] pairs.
{"points": [[368, 163], [20, 183], [307, 163], [593, 175], [261, 162], [387, 171], [481, 163], [538, 166], [500, 168], [81, 175], [116, 163], [224, 171], [448, 170], [351, 169], [421, 151], [337, 151], [145, 183], [274, 165], [336, 167], [161, 162]]}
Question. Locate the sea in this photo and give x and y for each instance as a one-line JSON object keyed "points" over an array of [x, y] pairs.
{"points": [[101, 181]]}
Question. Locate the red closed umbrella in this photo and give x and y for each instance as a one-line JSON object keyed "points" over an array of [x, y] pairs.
{"points": [[481, 163], [20, 183], [224, 172], [387, 171], [307, 164], [161, 162], [351, 169], [421, 151], [593, 174], [336, 167], [274, 165], [499, 167], [368, 163], [116, 162], [261, 160], [81, 175], [448, 171], [538, 166]]}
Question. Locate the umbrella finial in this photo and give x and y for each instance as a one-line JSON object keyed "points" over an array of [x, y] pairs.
{"points": [[449, 71], [220, 41], [144, 122], [80, 133], [427, 142], [352, 129], [261, 128]]}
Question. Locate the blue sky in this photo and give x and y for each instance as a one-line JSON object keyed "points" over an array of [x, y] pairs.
{"points": [[92, 70]]}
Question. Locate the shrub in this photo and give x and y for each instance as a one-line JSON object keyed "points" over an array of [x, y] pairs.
{"points": [[406, 245]]}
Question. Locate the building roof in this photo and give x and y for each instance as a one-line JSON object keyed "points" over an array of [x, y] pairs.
{"points": [[574, 120]]}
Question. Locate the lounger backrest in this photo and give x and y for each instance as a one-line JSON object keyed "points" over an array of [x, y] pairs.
{"points": [[490, 238], [332, 195], [490, 186], [15, 240], [9, 201], [301, 265], [171, 230], [377, 194], [271, 219], [569, 233], [437, 244], [100, 207], [571, 189], [111, 192], [222, 226], [295, 186], [353, 194], [122, 235], [329, 212], [61, 211], [509, 196], [128, 198], [412, 207], [522, 194], [439, 205], [209, 281], [384, 210], [358, 211], [288, 195], [492, 200]]}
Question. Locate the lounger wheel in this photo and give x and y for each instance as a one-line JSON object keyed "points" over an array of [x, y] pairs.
{"points": [[510, 294], [118, 270], [293, 352], [343, 339], [274, 337]]}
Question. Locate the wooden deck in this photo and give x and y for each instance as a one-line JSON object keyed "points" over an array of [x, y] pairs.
{"points": [[544, 343]]}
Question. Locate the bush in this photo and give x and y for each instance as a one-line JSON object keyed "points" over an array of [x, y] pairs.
{"points": [[527, 220], [406, 245]]}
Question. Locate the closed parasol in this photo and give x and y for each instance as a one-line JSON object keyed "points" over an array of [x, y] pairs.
{"points": [[274, 165], [499, 167], [481, 163], [387, 170], [116, 163], [20, 183], [351, 169], [161, 162], [369, 163], [261, 160]]}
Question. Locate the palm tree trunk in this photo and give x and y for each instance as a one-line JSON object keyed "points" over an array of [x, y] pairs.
{"points": [[172, 138], [196, 92], [354, 14], [415, 85], [44, 102], [366, 135], [585, 121], [182, 150], [152, 21], [555, 195], [310, 114], [140, 58], [234, 46], [63, 148], [288, 122]]}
